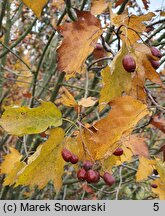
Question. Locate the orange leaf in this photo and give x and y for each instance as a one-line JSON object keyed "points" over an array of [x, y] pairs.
{"points": [[98, 6], [79, 40], [124, 115], [137, 145], [67, 98]]}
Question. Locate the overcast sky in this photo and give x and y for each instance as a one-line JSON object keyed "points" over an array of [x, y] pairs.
{"points": [[154, 4]]}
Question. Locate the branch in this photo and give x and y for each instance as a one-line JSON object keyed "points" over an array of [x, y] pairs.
{"points": [[19, 39], [98, 60], [16, 56], [2, 13]]}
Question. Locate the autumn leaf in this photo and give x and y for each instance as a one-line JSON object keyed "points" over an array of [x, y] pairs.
{"points": [[35, 6], [144, 70], [87, 102], [13, 175], [113, 160], [145, 168], [11, 166], [47, 165], [115, 79], [98, 6], [74, 48], [67, 98], [137, 145], [10, 160], [160, 166], [23, 120], [131, 26], [160, 190], [158, 122], [125, 113]]}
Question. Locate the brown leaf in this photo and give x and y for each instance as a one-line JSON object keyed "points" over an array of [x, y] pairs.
{"points": [[79, 40], [137, 145], [158, 122]]}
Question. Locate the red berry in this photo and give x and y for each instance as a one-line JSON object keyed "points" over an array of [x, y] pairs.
{"points": [[118, 152], [87, 165], [154, 185], [66, 154], [98, 46], [109, 179], [98, 177], [129, 63], [155, 64], [81, 174], [74, 159], [156, 52], [92, 176]]}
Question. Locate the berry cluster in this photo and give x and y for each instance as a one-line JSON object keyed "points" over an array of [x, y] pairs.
{"points": [[69, 156], [129, 63], [87, 172]]}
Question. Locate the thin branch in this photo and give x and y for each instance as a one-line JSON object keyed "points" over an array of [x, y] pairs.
{"points": [[98, 60], [2, 13], [153, 101], [157, 22], [19, 39], [57, 86], [120, 182], [38, 68], [16, 56]]}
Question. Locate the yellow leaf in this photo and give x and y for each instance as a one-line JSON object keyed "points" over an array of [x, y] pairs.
{"points": [[75, 147], [23, 120], [98, 6], [109, 162], [74, 48], [13, 175], [35, 5], [131, 26], [46, 166], [9, 161], [125, 113], [67, 99], [145, 169], [160, 190], [87, 102], [126, 156], [115, 79]]}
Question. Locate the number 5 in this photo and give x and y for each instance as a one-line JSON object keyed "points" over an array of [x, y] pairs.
{"points": [[156, 207]]}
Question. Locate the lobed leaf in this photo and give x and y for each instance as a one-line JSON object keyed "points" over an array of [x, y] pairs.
{"points": [[23, 120]]}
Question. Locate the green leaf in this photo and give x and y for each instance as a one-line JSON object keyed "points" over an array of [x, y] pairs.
{"points": [[23, 120]]}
